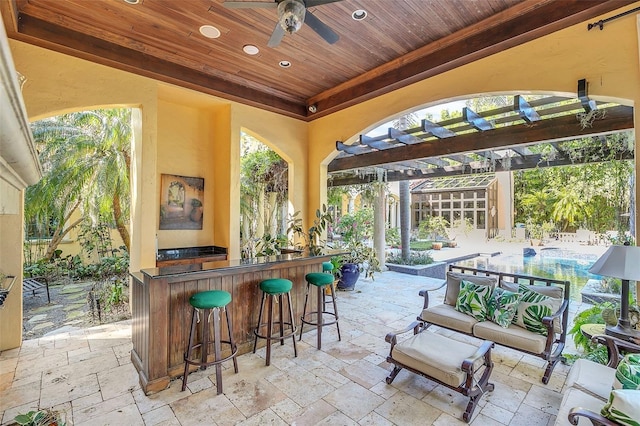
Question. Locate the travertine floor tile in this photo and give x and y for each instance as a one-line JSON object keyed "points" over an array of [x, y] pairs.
{"points": [[354, 400]]}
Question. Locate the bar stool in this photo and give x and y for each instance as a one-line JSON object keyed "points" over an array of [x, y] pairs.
{"points": [[274, 289], [327, 267], [211, 303], [320, 280]]}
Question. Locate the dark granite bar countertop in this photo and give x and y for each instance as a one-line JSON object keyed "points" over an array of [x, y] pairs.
{"points": [[189, 252], [221, 265]]}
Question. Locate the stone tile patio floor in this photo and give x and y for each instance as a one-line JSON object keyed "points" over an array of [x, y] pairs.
{"points": [[87, 373]]}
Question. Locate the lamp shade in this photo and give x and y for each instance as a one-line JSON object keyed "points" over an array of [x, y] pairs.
{"points": [[619, 262]]}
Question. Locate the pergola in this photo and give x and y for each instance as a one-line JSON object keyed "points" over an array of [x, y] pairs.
{"points": [[499, 139]]}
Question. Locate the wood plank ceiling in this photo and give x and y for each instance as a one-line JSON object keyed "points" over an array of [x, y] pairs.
{"points": [[398, 43]]}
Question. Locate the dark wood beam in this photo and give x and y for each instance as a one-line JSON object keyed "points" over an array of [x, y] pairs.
{"points": [[566, 127], [529, 162], [60, 39], [515, 26]]}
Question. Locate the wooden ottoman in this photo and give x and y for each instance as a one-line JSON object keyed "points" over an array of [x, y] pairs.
{"points": [[460, 366]]}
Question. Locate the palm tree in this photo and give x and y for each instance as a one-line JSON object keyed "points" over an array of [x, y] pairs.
{"points": [[86, 157]]}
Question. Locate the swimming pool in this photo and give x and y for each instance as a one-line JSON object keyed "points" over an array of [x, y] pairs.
{"points": [[560, 264]]}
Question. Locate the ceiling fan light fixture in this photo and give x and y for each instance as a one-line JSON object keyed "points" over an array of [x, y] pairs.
{"points": [[132, 1], [291, 15], [359, 15], [284, 64]]}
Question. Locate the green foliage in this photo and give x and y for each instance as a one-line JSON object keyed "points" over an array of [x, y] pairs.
{"points": [[434, 228], [420, 245], [312, 239], [592, 315], [593, 195], [40, 418], [415, 258], [356, 226], [73, 266], [392, 237]]}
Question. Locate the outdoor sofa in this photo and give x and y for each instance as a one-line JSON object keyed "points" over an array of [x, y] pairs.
{"points": [[529, 314]]}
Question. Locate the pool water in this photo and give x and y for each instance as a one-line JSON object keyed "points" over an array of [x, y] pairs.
{"points": [[559, 264]]}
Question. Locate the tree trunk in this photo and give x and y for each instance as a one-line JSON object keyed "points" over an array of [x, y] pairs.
{"points": [[405, 218], [121, 226]]}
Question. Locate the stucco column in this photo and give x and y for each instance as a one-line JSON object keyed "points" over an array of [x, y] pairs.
{"points": [[379, 224]]}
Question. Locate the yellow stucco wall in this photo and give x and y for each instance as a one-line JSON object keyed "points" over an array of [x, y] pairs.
{"points": [[210, 133], [608, 59]]}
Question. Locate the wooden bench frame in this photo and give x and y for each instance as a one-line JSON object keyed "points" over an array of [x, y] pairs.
{"points": [[34, 284], [555, 342]]}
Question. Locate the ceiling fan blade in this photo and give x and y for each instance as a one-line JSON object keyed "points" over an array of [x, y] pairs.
{"points": [[321, 28], [250, 4], [276, 36], [313, 3]]}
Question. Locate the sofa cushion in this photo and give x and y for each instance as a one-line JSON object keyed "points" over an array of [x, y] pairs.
{"points": [[623, 407], [547, 290], [577, 398], [473, 299], [591, 377], [514, 336], [628, 373], [502, 306], [453, 284], [447, 316], [436, 356]]}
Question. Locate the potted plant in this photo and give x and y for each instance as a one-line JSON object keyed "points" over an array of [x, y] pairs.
{"points": [[311, 239], [358, 259], [196, 210]]}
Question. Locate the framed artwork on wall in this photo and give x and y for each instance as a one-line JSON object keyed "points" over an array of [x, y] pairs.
{"points": [[181, 202]]}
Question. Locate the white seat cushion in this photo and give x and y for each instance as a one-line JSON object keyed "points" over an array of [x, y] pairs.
{"points": [[436, 356], [592, 378], [577, 398], [447, 316], [514, 336]]}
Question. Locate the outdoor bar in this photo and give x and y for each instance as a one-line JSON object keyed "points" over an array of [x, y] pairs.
{"points": [[161, 312]]}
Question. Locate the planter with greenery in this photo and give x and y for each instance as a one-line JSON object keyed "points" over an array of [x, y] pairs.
{"points": [[360, 258]]}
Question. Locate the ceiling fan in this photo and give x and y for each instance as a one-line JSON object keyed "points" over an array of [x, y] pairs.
{"points": [[291, 15]]}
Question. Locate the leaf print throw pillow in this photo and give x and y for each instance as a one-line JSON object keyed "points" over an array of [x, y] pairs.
{"points": [[503, 306], [473, 300]]}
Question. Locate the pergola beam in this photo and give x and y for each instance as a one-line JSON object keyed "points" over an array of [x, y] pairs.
{"points": [[530, 162], [617, 118]]}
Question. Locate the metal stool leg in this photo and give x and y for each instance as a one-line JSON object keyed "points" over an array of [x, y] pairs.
{"points": [[304, 310], [216, 348], [320, 317], [255, 341], [232, 342], [335, 311], [293, 327], [189, 348]]}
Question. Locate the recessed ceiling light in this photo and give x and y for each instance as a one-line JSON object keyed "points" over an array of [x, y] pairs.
{"points": [[132, 1], [250, 49], [285, 64], [209, 31], [359, 14]]}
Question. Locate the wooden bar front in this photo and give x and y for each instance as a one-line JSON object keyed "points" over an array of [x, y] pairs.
{"points": [[161, 313]]}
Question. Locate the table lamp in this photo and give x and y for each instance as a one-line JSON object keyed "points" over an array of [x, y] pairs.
{"points": [[620, 262]]}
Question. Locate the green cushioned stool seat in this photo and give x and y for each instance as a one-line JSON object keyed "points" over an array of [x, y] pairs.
{"points": [[276, 326], [327, 267], [208, 308], [276, 285], [210, 299], [319, 279]]}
